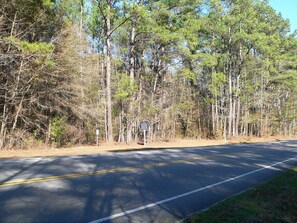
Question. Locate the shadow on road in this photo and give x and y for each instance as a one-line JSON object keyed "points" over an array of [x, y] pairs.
{"points": [[87, 198]]}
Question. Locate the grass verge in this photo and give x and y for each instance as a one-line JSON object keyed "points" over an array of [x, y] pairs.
{"points": [[274, 201]]}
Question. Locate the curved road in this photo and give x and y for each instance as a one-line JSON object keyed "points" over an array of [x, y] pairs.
{"points": [[141, 186]]}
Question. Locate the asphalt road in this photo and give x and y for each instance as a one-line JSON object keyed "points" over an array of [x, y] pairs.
{"points": [[144, 186]]}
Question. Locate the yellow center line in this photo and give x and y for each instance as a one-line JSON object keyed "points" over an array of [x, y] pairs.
{"points": [[101, 172]]}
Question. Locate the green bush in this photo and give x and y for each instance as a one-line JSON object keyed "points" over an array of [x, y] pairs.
{"points": [[59, 130]]}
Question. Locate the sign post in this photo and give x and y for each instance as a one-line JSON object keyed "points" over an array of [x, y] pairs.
{"points": [[144, 126], [97, 137], [144, 137]]}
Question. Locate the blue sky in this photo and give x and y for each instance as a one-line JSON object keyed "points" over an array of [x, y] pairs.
{"points": [[288, 10]]}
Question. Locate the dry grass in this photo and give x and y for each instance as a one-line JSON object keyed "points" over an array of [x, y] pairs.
{"points": [[116, 147]]}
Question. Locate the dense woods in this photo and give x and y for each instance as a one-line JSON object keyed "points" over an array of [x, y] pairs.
{"points": [[192, 68]]}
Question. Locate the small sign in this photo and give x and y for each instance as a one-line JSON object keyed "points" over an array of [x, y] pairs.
{"points": [[97, 137], [144, 125]]}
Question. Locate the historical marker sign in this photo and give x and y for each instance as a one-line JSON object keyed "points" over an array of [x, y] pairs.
{"points": [[144, 125]]}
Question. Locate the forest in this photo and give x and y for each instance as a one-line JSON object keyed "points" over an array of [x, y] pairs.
{"points": [[191, 68]]}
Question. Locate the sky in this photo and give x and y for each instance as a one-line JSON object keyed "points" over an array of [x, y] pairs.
{"points": [[288, 9]]}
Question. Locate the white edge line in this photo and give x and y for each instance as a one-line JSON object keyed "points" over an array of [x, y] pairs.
{"points": [[184, 194]]}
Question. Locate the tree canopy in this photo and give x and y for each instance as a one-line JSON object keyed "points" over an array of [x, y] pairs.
{"points": [[192, 68]]}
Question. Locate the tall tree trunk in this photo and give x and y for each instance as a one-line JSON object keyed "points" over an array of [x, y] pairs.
{"points": [[160, 69], [238, 115], [230, 105], [213, 119], [230, 86], [132, 77], [217, 116], [3, 129], [108, 77], [132, 51], [81, 68]]}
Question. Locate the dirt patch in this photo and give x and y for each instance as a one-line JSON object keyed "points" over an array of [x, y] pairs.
{"points": [[121, 147]]}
